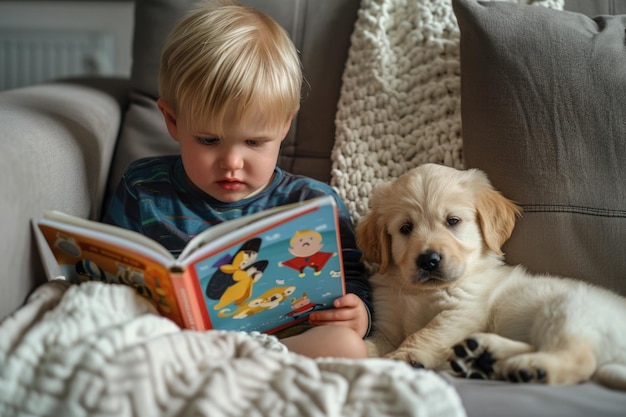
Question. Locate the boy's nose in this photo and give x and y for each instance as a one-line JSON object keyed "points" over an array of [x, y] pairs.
{"points": [[231, 160]]}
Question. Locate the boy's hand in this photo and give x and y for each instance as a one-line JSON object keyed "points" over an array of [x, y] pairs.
{"points": [[348, 311]]}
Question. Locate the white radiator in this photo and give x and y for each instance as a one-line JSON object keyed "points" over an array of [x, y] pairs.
{"points": [[30, 57]]}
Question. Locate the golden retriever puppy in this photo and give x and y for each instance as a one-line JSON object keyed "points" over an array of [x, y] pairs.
{"points": [[444, 297]]}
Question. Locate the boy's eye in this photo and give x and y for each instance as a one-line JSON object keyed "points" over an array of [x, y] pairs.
{"points": [[207, 140], [254, 143]]}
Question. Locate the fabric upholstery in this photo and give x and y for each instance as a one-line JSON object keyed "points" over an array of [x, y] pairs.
{"points": [[55, 151], [543, 114]]}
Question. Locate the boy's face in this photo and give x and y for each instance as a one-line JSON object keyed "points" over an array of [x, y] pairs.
{"points": [[234, 166]]}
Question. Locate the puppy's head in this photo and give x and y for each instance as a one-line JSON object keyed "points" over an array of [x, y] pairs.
{"points": [[435, 224]]}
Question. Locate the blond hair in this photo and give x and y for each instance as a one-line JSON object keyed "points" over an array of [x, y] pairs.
{"points": [[229, 58], [306, 232]]}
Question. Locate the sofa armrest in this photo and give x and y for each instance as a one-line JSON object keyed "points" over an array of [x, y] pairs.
{"points": [[56, 145]]}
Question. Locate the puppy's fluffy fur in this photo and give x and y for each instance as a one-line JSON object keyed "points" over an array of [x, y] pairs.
{"points": [[444, 297]]}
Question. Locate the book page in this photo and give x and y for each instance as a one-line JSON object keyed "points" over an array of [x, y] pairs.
{"points": [[94, 255], [108, 229], [273, 273], [223, 230]]}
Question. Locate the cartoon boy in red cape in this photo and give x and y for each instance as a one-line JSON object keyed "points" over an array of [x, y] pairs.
{"points": [[306, 248]]}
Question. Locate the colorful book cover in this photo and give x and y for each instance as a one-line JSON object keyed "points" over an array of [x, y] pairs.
{"points": [[84, 254], [262, 272], [275, 278]]}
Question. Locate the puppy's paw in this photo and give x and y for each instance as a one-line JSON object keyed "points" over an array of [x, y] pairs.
{"points": [[543, 367], [490, 356], [470, 359], [409, 356], [529, 374]]}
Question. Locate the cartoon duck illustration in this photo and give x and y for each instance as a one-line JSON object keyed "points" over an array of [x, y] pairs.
{"points": [[305, 246], [244, 279], [247, 254], [267, 301], [233, 282]]}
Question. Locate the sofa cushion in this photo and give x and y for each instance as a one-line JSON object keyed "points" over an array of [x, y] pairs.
{"points": [[543, 114]]}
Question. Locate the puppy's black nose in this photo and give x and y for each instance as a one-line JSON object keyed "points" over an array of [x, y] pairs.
{"points": [[428, 261]]}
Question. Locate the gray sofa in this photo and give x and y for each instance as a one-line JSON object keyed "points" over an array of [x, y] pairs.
{"points": [[65, 144]]}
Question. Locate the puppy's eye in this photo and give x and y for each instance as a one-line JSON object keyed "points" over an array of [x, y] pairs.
{"points": [[452, 221], [406, 228]]}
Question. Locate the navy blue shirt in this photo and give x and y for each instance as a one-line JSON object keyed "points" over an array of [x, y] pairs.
{"points": [[155, 198]]}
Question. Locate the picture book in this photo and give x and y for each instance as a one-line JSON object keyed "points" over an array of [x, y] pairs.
{"points": [[263, 272]]}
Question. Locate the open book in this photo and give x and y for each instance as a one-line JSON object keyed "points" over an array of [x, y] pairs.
{"points": [[262, 272]]}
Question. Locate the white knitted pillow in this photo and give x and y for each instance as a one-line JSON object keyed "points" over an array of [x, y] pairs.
{"points": [[400, 102]]}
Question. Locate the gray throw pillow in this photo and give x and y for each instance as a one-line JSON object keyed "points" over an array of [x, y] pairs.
{"points": [[543, 101]]}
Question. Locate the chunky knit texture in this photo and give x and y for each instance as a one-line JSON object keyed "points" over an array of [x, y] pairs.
{"points": [[98, 349], [400, 102]]}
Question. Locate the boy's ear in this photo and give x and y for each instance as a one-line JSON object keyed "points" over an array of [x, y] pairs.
{"points": [[170, 118]]}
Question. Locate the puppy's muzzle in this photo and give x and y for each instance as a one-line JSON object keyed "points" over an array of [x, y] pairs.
{"points": [[432, 270], [428, 261]]}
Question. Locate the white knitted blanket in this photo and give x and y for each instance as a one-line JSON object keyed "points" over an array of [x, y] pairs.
{"points": [[400, 103], [101, 350]]}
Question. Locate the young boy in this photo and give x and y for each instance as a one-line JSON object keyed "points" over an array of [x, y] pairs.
{"points": [[230, 83]]}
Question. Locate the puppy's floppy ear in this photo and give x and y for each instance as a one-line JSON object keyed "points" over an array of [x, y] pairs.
{"points": [[496, 215], [373, 239]]}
